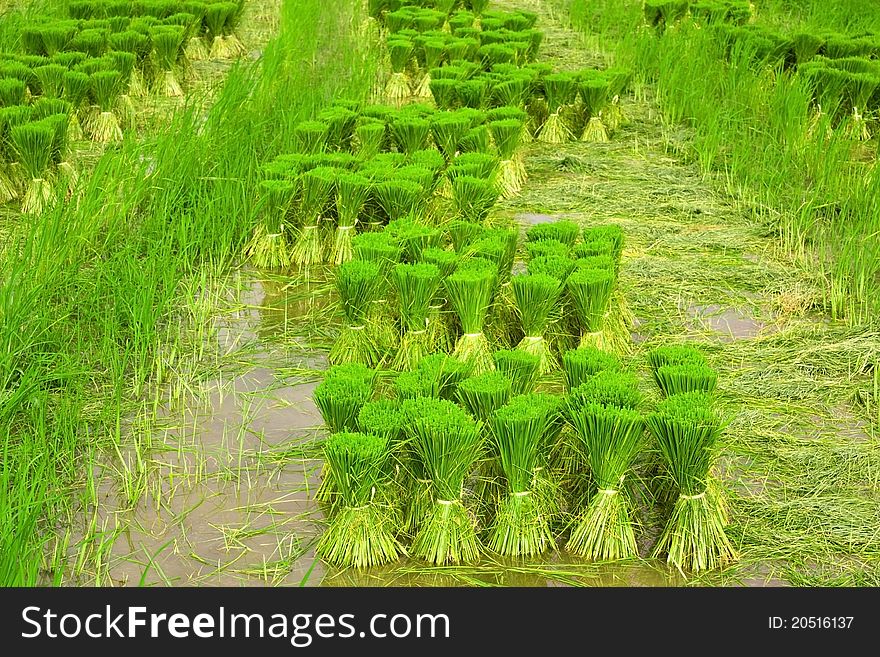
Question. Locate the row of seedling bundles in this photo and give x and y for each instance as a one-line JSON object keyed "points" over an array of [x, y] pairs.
{"points": [[444, 464], [415, 289], [357, 169]]}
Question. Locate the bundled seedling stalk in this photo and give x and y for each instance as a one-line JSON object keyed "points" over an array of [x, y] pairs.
{"points": [[361, 532], [440, 329], [359, 284], [400, 51], [522, 523], [470, 292], [589, 291], [106, 89], [268, 248], [594, 93], [352, 192], [581, 365], [220, 19], [416, 285], [687, 432], [520, 367], [473, 197], [167, 45], [316, 191], [512, 171], [484, 394], [32, 143], [370, 137], [447, 442], [609, 438], [536, 297], [561, 90]]}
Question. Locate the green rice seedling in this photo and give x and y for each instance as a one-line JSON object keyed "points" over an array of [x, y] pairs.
{"points": [[400, 51], [594, 262], [415, 384], [124, 62], [479, 165], [411, 134], [340, 126], [473, 93], [483, 394], [547, 247], [582, 364], [440, 329], [473, 198], [460, 19], [56, 36], [399, 198], [434, 50], [416, 285], [562, 231], [618, 78], [561, 92], [370, 136], [106, 87], [268, 247], [11, 177], [589, 291], [361, 533], [806, 46], [491, 54], [512, 171], [609, 387], [520, 367], [32, 143], [557, 266], [140, 45], [51, 77], [340, 400], [316, 187], [594, 91], [414, 237], [167, 43], [54, 113], [310, 136], [610, 438], [446, 372], [92, 41], [12, 92], [447, 442], [536, 297], [464, 233], [448, 129], [596, 236], [513, 90], [384, 418], [196, 48], [675, 354], [444, 91], [522, 523], [376, 247], [687, 431], [352, 192], [477, 140], [358, 284], [470, 293], [687, 377], [220, 18]]}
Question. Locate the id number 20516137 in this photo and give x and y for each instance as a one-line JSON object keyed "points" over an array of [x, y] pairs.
{"points": [[810, 622]]}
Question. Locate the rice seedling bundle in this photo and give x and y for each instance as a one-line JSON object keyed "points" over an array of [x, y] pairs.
{"points": [[92, 41], [167, 45], [562, 231], [603, 261], [384, 418], [361, 532], [106, 87], [473, 93], [522, 522], [310, 136], [557, 266], [678, 379], [51, 77], [341, 123], [434, 50], [220, 20], [446, 372], [399, 198], [470, 293], [484, 394], [444, 91], [477, 140], [512, 171], [609, 438], [140, 46], [341, 395], [352, 192], [268, 248], [400, 51], [370, 136], [11, 176], [448, 129], [124, 62], [513, 90], [473, 198], [547, 247], [376, 247], [415, 384], [447, 442], [536, 297], [32, 143], [520, 367], [589, 291], [582, 364], [687, 432], [12, 92], [316, 190], [595, 237], [609, 387], [441, 333], [416, 285], [358, 284], [54, 113], [594, 90], [560, 90], [411, 134]]}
